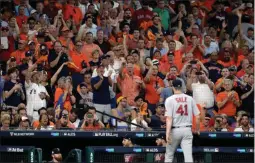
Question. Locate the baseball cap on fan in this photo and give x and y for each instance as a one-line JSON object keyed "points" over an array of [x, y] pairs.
{"points": [[28, 53], [105, 56], [24, 118], [43, 47], [170, 54], [128, 137], [145, 3], [169, 33], [33, 11], [232, 68], [83, 85], [249, 5], [155, 62], [120, 98], [177, 83], [31, 42], [56, 151], [160, 104]]}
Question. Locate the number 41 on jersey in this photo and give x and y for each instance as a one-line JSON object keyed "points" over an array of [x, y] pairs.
{"points": [[183, 110]]}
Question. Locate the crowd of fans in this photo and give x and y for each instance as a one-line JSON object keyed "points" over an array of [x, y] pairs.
{"points": [[63, 62]]}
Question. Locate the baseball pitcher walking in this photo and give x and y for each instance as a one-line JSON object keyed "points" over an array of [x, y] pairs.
{"points": [[180, 109]]}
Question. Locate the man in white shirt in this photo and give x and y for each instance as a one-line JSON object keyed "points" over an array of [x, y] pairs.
{"points": [[88, 27], [105, 59], [245, 125], [160, 47], [169, 36], [36, 94], [84, 4], [202, 92], [73, 117], [142, 50], [210, 46], [139, 121]]}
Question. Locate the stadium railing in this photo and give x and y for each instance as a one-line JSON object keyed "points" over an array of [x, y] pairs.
{"points": [[118, 119], [75, 155], [20, 154], [156, 154], [114, 134], [37, 155]]}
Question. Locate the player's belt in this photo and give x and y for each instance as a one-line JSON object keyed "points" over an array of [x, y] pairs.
{"points": [[181, 126], [35, 110]]}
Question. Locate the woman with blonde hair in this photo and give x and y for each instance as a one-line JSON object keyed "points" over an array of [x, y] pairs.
{"points": [[5, 121], [225, 125]]}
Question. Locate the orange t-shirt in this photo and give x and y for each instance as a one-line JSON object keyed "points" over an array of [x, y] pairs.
{"points": [[42, 59], [197, 53], [137, 71], [151, 89], [239, 59], [240, 73], [177, 59], [64, 42], [78, 59], [72, 11], [36, 124], [229, 108], [164, 67], [19, 55], [220, 80], [67, 102], [208, 4], [113, 40], [89, 48], [92, 128], [120, 37], [130, 88], [227, 64]]}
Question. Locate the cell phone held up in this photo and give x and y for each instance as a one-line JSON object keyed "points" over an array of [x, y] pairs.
{"points": [[198, 73], [4, 43], [40, 67], [13, 59], [193, 62]]}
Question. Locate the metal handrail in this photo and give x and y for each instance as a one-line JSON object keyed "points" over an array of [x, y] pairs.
{"points": [[130, 123]]}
